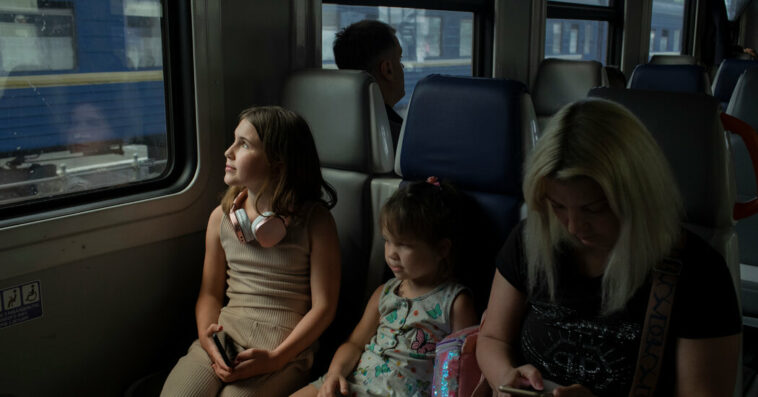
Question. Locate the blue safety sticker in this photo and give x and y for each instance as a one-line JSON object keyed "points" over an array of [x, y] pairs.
{"points": [[20, 303]]}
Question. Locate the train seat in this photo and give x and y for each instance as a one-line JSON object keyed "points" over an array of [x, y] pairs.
{"points": [[560, 82], [743, 103], [672, 59], [345, 111], [616, 78], [726, 77], [671, 78], [470, 131], [692, 138]]}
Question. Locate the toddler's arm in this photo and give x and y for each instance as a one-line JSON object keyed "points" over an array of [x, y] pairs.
{"points": [[348, 354], [463, 313]]}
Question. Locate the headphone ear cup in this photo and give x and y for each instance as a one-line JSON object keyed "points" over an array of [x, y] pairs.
{"points": [[243, 226], [269, 229]]}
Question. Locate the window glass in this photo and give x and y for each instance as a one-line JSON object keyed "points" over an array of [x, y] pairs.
{"points": [[667, 17], [82, 104], [563, 37], [604, 3], [433, 41]]}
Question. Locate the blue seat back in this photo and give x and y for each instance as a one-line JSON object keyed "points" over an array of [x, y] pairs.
{"points": [[469, 131], [726, 77], [671, 78]]}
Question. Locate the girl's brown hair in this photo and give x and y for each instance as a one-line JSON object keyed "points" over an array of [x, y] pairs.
{"points": [[295, 177]]}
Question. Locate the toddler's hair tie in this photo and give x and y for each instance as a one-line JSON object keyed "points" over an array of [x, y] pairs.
{"points": [[433, 180]]}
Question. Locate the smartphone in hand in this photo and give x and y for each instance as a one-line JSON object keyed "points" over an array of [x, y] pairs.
{"points": [[226, 347], [524, 392]]}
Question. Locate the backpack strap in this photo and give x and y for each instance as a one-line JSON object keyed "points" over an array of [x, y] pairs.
{"points": [[656, 326]]}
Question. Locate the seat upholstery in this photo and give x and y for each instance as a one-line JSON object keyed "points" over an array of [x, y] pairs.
{"points": [[726, 77], [345, 111], [663, 59], [469, 131], [671, 78], [560, 82], [616, 78], [692, 138], [743, 105]]}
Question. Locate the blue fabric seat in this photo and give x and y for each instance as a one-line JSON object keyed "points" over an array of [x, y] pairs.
{"points": [[470, 131], [671, 78], [726, 78]]}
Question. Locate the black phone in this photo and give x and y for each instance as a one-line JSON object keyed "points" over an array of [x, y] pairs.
{"points": [[226, 347], [524, 392]]}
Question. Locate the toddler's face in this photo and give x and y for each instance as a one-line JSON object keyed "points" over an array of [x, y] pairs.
{"points": [[411, 259]]}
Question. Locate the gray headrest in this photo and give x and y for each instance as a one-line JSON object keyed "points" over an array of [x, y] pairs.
{"points": [[744, 101], [345, 111], [560, 82], [673, 60], [690, 133]]}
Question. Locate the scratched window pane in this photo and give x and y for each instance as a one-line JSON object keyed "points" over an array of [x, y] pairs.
{"points": [[82, 103]]}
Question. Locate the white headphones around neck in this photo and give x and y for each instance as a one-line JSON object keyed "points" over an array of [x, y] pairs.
{"points": [[267, 228]]}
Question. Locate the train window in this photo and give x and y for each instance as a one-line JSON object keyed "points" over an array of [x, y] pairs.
{"points": [[584, 30], [666, 25], [433, 41], [82, 99], [589, 2], [35, 40], [576, 39]]}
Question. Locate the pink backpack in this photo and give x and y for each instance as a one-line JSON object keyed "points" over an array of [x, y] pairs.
{"points": [[456, 372]]}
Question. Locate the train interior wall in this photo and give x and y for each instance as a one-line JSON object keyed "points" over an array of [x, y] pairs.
{"points": [[127, 310]]}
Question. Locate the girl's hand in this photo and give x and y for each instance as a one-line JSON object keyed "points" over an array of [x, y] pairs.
{"points": [[249, 363], [206, 341], [575, 390], [523, 376], [334, 384]]}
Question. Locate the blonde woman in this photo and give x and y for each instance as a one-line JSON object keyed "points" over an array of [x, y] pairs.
{"points": [[573, 280]]}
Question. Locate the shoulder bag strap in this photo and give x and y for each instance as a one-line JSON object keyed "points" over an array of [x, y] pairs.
{"points": [[656, 326]]}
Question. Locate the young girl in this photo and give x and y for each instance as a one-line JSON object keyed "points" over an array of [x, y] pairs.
{"points": [[282, 294], [391, 351]]}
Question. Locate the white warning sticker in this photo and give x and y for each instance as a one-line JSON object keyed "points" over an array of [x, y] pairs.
{"points": [[20, 303]]}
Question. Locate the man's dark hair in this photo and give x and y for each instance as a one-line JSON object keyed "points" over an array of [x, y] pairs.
{"points": [[359, 45]]}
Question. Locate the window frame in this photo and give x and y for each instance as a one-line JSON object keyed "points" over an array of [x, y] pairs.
{"points": [[483, 28], [179, 92], [613, 14]]}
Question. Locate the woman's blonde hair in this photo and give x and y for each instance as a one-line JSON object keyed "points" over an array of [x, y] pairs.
{"points": [[603, 141], [295, 176]]}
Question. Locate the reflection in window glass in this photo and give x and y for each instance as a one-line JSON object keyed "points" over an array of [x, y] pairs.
{"points": [[593, 35], [82, 103], [433, 41], [668, 16], [573, 39], [33, 40], [464, 45], [556, 39]]}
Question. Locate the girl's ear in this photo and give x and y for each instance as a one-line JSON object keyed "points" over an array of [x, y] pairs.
{"points": [[443, 248]]}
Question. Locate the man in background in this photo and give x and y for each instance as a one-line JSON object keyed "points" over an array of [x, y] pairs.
{"points": [[372, 46]]}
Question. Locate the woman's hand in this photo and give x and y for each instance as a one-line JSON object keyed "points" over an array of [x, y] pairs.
{"points": [[206, 341], [523, 376], [574, 390], [334, 384]]}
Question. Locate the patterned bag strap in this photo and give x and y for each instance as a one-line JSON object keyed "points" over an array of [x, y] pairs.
{"points": [[656, 326]]}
